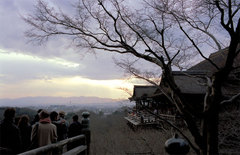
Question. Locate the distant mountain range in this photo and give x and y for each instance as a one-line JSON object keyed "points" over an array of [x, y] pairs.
{"points": [[47, 100]]}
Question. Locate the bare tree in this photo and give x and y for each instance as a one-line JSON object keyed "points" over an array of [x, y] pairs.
{"points": [[162, 32]]}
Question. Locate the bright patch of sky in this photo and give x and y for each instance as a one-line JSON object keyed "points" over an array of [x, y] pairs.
{"points": [[25, 75], [66, 87]]}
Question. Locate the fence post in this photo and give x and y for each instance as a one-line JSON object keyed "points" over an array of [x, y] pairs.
{"points": [[85, 129]]}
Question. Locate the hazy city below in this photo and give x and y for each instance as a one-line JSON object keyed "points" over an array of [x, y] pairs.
{"points": [[68, 104]]}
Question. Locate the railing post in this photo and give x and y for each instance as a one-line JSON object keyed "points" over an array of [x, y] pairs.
{"points": [[86, 129]]}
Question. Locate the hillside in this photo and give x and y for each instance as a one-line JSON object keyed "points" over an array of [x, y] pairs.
{"points": [[48, 100]]}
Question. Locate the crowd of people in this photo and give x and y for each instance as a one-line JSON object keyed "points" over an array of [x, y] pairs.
{"points": [[20, 135]]}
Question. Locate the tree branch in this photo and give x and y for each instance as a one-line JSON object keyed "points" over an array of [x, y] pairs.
{"points": [[232, 99], [175, 127]]}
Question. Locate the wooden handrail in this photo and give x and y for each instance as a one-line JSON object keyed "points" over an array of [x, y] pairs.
{"points": [[54, 146]]}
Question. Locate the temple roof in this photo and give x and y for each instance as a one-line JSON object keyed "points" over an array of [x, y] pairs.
{"points": [[193, 81], [218, 58], [190, 82], [141, 91]]}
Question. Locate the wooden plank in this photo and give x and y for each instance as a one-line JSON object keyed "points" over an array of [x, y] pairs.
{"points": [[132, 121]]}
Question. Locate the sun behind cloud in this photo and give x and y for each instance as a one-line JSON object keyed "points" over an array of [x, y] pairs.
{"points": [[25, 75], [67, 87]]}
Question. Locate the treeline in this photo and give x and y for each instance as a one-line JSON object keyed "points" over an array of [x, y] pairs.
{"points": [[20, 111]]}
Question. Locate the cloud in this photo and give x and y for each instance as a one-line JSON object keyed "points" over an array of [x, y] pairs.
{"points": [[24, 75], [55, 68], [13, 40], [66, 87], [16, 67]]}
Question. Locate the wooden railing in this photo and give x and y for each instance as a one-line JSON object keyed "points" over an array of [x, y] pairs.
{"points": [[58, 148]]}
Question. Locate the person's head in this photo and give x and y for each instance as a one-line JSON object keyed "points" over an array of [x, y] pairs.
{"points": [[75, 118], [9, 113], [61, 114], [24, 119], [44, 114], [53, 116]]}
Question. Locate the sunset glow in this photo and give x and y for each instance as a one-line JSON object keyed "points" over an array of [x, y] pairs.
{"points": [[41, 83]]}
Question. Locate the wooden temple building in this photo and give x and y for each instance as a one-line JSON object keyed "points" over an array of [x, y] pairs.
{"points": [[192, 84]]}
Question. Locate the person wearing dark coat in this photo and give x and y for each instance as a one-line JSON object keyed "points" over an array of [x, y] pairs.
{"points": [[74, 130], [60, 123], [10, 140], [63, 126], [25, 132], [54, 120]]}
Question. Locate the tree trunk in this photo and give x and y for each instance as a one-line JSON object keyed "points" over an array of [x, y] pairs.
{"points": [[178, 100], [212, 131], [210, 121], [206, 137]]}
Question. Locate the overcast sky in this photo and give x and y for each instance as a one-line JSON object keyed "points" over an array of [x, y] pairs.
{"points": [[52, 69], [56, 68]]}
